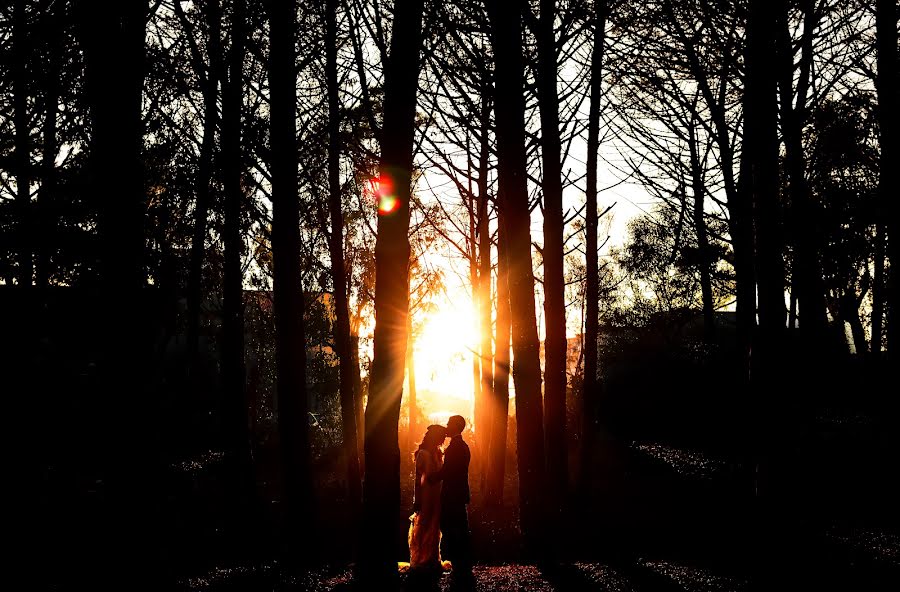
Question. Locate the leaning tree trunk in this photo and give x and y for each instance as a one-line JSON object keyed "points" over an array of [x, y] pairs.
{"points": [[554, 281], [506, 39], [886, 32], [233, 369], [290, 340], [338, 266], [592, 294], [22, 144], [381, 488]]}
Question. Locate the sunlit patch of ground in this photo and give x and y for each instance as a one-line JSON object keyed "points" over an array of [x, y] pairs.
{"points": [[200, 462], [688, 463], [696, 579], [507, 578], [604, 577], [874, 543], [220, 576]]}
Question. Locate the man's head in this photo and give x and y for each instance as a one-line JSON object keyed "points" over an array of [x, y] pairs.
{"points": [[455, 425]]}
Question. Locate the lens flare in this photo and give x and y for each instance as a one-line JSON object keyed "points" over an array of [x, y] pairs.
{"points": [[387, 197], [387, 204]]}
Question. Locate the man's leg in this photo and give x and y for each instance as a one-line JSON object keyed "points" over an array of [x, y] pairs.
{"points": [[457, 544]]}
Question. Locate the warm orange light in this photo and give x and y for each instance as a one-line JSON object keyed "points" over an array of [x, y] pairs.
{"points": [[443, 358]]}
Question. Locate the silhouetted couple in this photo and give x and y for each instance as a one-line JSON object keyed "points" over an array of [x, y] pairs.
{"points": [[441, 496]]}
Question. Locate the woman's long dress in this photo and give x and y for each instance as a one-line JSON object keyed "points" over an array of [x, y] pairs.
{"points": [[425, 530]]}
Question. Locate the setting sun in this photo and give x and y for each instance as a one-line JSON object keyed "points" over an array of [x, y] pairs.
{"points": [[443, 360]]}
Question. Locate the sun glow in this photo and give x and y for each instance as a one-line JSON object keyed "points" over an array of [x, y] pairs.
{"points": [[443, 360]]}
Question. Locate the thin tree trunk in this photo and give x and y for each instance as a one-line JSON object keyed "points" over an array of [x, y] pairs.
{"points": [[474, 281], [22, 144], [486, 356], [738, 198], [589, 393], [290, 340], [554, 281], [740, 222], [810, 285], [358, 406], [202, 182], [233, 369], [338, 271], [792, 308], [476, 294], [878, 288], [50, 149], [413, 431], [506, 38], [886, 83], [381, 488], [699, 190], [501, 373]]}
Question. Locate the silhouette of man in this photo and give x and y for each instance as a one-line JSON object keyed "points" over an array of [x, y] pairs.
{"points": [[454, 498]]}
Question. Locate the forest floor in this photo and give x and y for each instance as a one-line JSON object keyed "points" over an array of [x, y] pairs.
{"points": [[674, 518]]}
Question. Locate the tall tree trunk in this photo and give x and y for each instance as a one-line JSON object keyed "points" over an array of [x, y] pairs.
{"points": [[737, 192], [476, 305], [699, 191], [290, 339], [338, 265], [740, 223], [113, 44], [381, 488], [500, 387], [233, 368], [486, 355], [22, 144], [554, 281], [202, 182], [589, 393], [506, 39], [761, 142], [50, 149], [112, 38], [761, 151], [807, 269], [886, 83]]}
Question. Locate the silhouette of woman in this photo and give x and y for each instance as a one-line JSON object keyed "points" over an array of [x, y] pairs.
{"points": [[425, 528]]}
